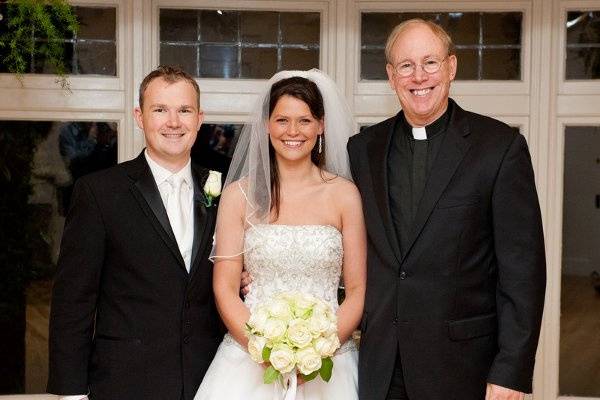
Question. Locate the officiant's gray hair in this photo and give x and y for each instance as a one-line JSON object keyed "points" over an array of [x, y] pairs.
{"points": [[435, 28], [171, 74]]}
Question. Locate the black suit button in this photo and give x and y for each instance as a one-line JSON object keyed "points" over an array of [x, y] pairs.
{"points": [[395, 321], [187, 304], [186, 339], [402, 275]]}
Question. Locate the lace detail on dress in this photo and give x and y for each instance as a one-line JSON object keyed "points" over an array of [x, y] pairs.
{"points": [[304, 258]]}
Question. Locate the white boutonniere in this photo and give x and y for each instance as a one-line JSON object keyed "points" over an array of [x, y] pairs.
{"points": [[212, 187]]}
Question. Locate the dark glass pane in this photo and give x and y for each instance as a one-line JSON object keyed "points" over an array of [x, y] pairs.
{"points": [[301, 59], [178, 25], [258, 27], [219, 61], [468, 64], [463, 28], [372, 64], [375, 27], [183, 56], [502, 28], [579, 371], [583, 27], [39, 163], [470, 32], [215, 144], [97, 58], [97, 23], [42, 66], [259, 63], [583, 63], [219, 26], [583, 45], [300, 28], [502, 64]]}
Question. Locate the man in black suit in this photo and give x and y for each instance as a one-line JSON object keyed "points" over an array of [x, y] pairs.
{"points": [[456, 266], [132, 314]]}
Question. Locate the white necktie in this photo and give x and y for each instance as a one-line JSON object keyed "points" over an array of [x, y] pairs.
{"points": [[175, 209]]}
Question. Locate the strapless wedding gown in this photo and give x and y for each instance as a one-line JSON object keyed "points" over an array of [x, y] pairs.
{"points": [[305, 258]]}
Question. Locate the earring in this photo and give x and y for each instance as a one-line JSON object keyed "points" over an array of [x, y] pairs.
{"points": [[320, 143]]}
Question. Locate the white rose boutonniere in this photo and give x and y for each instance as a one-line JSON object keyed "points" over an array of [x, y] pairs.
{"points": [[212, 187]]}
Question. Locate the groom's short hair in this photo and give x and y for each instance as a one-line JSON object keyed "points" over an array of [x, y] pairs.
{"points": [[171, 74]]}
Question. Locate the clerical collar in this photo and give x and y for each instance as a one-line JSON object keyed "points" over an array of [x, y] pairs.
{"points": [[431, 130]]}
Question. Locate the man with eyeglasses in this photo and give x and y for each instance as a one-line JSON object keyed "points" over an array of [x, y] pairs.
{"points": [[456, 265]]}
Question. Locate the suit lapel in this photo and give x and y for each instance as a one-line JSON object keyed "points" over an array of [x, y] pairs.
{"points": [[454, 148], [203, 217], [378, 150], [146, 192]]}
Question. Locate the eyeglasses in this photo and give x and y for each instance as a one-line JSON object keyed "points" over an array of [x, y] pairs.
{"points": [[407, 68]]}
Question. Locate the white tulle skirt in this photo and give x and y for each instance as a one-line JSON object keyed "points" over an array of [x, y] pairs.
{"points": [[234, 376]]}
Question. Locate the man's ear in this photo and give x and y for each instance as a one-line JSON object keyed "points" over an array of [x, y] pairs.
{"points": [[200, 120], [453, 65], [389, 68], [137, 114]]}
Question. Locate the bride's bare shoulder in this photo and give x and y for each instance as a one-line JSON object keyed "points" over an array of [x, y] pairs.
{"points": [[340, 188]]}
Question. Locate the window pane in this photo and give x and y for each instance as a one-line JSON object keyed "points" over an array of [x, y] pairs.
{"points": [[480, 38], [186, 56], [92, 51], [241, 44], [580, 280], [178, 25], [215, 145], [583, 45], [258, 27], [39, 163]]}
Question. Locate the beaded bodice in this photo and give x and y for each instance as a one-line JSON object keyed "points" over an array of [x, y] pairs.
{"points": [[304, 258]]}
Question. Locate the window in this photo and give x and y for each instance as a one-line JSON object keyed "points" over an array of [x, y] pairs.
{"points": [[488, 44], [239, 44], [39, 163], [583, 45], [92, 51]]}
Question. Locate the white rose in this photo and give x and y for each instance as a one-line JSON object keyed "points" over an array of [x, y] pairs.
{"points": [[274, 328], [318, 324], [256, 344], [282, 359], [279, 308], [308, 360], [326, 347], [303, 303], [258, 319], [299, 333], [331, 329], [212, 187]]}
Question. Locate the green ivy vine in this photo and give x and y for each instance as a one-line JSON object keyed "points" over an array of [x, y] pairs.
{"points": [[48, 21]]}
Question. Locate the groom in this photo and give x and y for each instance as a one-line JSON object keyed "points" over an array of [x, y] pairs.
{"points": [[456, 268], [133, 315]]}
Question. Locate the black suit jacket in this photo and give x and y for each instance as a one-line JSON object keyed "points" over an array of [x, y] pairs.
{"points": [[127, 320], [463, 305]]}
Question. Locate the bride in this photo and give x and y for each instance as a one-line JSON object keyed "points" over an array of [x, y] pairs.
{"points": [[291, 217]]}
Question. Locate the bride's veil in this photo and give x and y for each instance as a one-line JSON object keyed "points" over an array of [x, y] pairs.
{"points": [[250, 164]]}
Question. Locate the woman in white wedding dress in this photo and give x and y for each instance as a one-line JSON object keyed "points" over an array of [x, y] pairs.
{"points": [[291, 217]]}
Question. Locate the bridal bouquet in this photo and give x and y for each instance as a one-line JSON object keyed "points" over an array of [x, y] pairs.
{"points": [[293, 332]]}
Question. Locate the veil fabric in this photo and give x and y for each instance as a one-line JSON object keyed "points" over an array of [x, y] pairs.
{"points": [[250, 167]]}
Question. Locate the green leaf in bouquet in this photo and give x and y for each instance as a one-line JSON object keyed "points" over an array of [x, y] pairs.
{"points": [[266, 353], [270, 375], [307, 314], [326, 369], [310, 376]]}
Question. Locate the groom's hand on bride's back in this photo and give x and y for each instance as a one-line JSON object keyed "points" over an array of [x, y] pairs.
{"points": [[245, 282]]}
